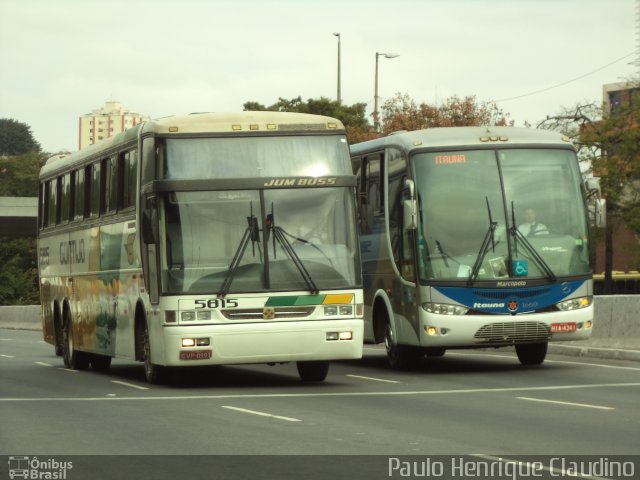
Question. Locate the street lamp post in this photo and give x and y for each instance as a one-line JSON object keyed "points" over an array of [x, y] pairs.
{"points": [[376, 123], [338, 35]]}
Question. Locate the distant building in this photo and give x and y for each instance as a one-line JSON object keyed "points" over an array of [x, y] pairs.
{"points": [[105, 122], [615, 95]]}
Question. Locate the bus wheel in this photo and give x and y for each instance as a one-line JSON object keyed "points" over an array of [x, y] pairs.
{"points": [[100, 362], [72, 358], [153, 373], [59, 342], [399, 356], [531, 353], [313, 371]]}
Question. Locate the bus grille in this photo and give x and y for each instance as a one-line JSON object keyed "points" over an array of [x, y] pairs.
{"points": [[500, 295], [512, 332], [277, 313]]}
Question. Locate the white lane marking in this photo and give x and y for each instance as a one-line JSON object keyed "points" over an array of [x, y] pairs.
{"points": [[334, 394], [68, 370], [129, 385], [8, 356], [262, 414], [43, 364], [373, 378], [565, 403]]}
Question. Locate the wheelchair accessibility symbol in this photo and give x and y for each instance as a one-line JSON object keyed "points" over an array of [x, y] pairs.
{"points": [[520, 268]]}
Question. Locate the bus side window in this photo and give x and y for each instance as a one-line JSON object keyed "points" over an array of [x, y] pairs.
{"points": [[77, 195], [96, 189], [110, 175], [50, 202], [375, 189], [58, 200], [401, 245], [127, 179]]}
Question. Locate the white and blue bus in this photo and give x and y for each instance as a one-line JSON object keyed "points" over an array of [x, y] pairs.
{"points": [[473, 237], [204, 239]]}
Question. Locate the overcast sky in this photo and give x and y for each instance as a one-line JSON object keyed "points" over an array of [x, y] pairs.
{"points": [[60, 59]]}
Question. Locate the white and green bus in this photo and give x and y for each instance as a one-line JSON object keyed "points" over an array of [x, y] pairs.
{"points": [[204, 239], [451, 256]]}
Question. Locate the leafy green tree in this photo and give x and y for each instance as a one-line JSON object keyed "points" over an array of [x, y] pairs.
{"points": [[352, 116], [20, 163], [19, 174], [18, 273], [16, 138]]}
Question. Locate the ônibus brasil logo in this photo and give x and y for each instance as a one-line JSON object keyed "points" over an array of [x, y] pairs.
{"points": [[34, 468]]}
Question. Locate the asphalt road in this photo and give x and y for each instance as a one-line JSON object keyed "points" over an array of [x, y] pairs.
{"points": [[466, 403]]}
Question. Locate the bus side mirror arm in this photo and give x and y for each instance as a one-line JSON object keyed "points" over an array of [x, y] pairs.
{"points": [[409, 207]]}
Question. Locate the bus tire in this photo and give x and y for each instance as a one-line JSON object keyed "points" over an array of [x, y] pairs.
{"points": [[154, 374], [313, 371], [399, 357], [531, 353], [59, 340], [73, 359], [100, 363]]}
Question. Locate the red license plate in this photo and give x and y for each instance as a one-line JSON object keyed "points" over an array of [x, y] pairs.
{"points": [[195, 355], [566, 327]]}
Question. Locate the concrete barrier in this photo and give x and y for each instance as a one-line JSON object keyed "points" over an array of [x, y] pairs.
{"points": [[616, 332], [21, 317]]}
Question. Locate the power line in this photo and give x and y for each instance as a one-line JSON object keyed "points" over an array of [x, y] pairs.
{"points": [[568, 81]]}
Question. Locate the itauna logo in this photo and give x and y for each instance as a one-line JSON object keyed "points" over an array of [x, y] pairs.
{"points": [[488, 305], [512, 306], [300, 182]]}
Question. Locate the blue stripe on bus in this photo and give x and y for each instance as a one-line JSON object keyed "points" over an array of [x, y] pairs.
{"points": [[527, 299]]}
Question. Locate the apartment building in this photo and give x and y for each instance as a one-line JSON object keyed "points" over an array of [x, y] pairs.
{"points": [[105, 122]]}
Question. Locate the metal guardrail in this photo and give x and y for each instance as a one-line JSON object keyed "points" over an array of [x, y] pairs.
{"points": [[623, 283]]}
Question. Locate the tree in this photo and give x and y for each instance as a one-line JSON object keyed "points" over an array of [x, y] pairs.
{"points": [[16, 138], [18, 271], [19, 174], [352, 116], [610, 143], [401, 112]]}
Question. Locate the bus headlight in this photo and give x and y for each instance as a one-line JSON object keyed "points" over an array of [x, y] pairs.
{"points": [[444, 308], [187, 316], [575, 303]]}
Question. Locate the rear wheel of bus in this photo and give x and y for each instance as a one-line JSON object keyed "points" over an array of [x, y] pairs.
{"points": [[313, 371], [72, 358], [531, 353]]}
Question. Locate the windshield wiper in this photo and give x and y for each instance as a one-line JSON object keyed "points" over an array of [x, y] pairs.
{"points": [[489, 240], [281, 236], [530, 249], [251, 233]]}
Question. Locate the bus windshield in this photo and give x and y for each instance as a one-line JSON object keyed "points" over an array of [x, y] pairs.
{"points": [[514, 213], [280, 238], [244, 157]]}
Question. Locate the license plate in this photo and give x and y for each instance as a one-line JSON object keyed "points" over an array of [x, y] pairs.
{"points": [[195, 355], [563, 327]]}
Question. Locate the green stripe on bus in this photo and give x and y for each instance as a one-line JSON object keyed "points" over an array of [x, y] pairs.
{"points": [[295, 301]]}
